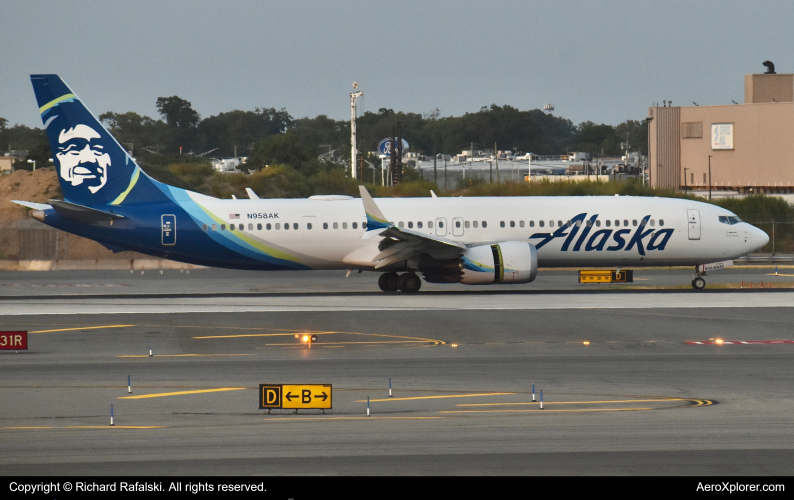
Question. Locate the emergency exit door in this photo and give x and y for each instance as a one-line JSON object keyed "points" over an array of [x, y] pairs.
{"points": [[168, 224], [694, 224]]}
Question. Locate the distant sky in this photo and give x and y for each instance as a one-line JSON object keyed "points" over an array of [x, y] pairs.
{"points": [[604, 61]]}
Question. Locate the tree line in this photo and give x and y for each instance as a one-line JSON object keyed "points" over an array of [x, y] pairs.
{"points": [[273, 136]]}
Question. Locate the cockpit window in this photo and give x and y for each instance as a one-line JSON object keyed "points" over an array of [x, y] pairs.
{"points": [[730, 219]]}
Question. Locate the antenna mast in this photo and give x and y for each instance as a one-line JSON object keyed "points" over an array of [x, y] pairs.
{"points": [[353, 153]]}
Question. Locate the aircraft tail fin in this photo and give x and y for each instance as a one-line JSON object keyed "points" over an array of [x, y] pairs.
{"points": [[92, 167]]}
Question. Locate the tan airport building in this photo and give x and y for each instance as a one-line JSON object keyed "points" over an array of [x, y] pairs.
{"points": [[751, 145]]}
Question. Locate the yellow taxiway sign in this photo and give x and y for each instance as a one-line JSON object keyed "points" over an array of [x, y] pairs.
{"points": [[295, 396]]}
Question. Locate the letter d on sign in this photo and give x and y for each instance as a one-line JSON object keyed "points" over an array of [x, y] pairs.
{"points": [[271, 396]]}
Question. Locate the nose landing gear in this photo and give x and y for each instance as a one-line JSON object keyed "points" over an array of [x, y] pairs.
{"points": [[406, 282], [698, 283]]}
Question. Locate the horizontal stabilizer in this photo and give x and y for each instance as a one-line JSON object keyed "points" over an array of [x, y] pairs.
{"points": [[33, 205], [81, 213]]}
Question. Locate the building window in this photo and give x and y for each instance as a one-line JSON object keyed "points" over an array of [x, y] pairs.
{"points": [[692, 130], [704, 178]]}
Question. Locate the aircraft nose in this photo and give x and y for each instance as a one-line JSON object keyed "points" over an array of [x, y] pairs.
{"points": [[758, 238]]}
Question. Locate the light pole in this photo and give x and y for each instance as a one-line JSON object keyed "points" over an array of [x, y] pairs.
{"points": [[709, 177], [34, 164], [686, 191]]}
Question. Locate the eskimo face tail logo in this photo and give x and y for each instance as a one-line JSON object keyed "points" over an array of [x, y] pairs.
{"points": [[81, 158]]}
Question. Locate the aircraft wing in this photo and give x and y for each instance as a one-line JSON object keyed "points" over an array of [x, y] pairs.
{"points": [[402, 244]]}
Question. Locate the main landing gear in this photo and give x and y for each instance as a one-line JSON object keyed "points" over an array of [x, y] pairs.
{"points": [[406, 282], [698, 283]]}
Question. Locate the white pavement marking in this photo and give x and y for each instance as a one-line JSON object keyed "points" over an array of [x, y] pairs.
{"points": [[419, 302]]}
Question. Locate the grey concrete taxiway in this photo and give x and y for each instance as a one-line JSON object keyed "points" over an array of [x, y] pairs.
{"points": [[626, 387]]}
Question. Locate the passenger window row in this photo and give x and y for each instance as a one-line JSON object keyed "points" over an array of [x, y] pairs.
{"points": [[587, 223], [277, 226]]}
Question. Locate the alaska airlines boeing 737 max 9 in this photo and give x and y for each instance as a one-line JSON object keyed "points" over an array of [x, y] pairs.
{"points": [[475, 241]]}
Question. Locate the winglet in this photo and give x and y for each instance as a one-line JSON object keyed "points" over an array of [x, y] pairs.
{"points": [[433, 194], [251, 194], [376, 221]]}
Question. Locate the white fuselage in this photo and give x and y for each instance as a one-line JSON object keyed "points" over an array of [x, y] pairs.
{"points": [[583, 231]]}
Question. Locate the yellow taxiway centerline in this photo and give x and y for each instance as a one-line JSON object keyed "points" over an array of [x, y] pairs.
{"points": [[175, 355], [90, 427], [438, 397], [541, 411], [82, 328], [181, 393], [576, 402], [375, 417]]}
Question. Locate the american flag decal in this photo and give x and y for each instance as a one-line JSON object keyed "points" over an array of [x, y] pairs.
{"points": [[234, 216]]}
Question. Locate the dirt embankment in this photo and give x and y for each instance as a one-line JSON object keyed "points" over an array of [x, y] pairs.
{"points": [[23, 238]]}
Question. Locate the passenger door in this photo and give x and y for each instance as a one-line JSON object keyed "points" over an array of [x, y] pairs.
{"points": [[693, 217], [457, 226]]}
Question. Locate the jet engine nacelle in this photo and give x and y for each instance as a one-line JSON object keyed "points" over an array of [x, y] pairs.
{"points": [[506, 262]]}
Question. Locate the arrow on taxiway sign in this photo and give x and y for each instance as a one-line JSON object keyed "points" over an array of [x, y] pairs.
{"points": [[324, 396], [290, 396]]}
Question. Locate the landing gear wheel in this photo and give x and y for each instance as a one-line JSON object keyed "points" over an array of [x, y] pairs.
{"points": [[409, 283], [698, 283], [388, 282]]}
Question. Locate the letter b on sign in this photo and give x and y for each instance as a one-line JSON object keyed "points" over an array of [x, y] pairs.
{"points": [[306, 396]]}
